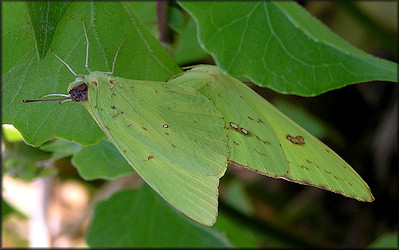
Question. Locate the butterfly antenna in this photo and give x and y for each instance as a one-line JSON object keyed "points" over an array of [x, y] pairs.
{"points": [[62, 100], [87, 47], [73, 72], [116, 55], [63, 95]]}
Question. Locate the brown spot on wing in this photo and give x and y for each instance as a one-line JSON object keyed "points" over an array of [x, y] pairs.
{"points": [[298, 140]]}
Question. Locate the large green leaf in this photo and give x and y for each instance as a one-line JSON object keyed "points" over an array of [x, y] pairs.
{"points": [[101, 161], [281, 46], [141, 57], [44, 17], [143, 219]]}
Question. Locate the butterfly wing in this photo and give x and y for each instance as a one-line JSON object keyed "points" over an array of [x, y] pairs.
{"points": [[172, 135], [271, 143]]}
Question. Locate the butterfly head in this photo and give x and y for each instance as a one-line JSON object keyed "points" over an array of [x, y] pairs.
{"points": [[78, 90]]}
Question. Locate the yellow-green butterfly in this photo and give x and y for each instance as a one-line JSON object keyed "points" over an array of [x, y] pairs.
{"points": [[180, 135], [172, 135]]}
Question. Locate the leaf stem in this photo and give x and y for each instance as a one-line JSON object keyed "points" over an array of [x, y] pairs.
{"points": [[165, 35]]}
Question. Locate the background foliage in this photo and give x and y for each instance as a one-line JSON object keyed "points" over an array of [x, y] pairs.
{"points": [[277, 45]]}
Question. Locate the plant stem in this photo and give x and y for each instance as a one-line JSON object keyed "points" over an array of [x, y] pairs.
{"points": [[165, 35]]}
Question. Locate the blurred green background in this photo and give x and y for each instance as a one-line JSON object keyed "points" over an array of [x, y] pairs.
{"points": [[360, 122]]}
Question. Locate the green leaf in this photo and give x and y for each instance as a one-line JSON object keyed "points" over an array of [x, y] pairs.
{"points": [[44, 17], [10, 133], [176, 19], [143, 219], [141, 57], [239, 235], [387, 240], [281, 46], [237, 198], [188, 49], [146, 12], [5, 209], [22, 161], [101, 161], [61, 148]]}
